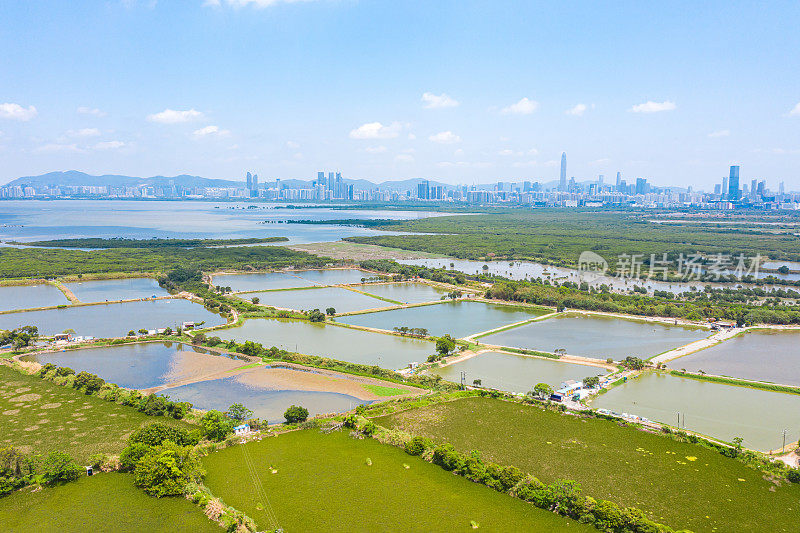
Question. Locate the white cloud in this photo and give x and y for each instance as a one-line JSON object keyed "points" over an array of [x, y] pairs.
{"points": [[411, 137], [293, 145], [524, 164], [17, 112], [91, 111], [719, 133], [375, 149], [171, 116], [211, 130], [445, 137], [244, 3], [577, 110], [533, 151], [525, 106], [376, 130], [654, 107], [57, 148], [109, 145], [438, 101], [508, 152], [84, 132], [404, 158], [601, 161], [795, 110]]}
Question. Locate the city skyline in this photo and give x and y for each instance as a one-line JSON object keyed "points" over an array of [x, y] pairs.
{"points": [[389, 93]]}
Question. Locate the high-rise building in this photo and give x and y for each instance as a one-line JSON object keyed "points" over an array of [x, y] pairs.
{"points": [[619, 178], [724, 193], [423, 190], [641, 186], [781, 188], [733, 184], [249, 181], [562, 179]]}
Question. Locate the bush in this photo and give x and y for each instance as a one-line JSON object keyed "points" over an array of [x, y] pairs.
{"points": [[165, 470], [369, 428], [131, 455], [64, 371], [216, 426], [416, 446], [59, 467], [156, 433], [295, 414], [793, 475]]}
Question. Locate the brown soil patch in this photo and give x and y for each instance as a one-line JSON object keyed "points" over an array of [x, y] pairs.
{"points": [[26, 398], [50, 405], [11, 412]]}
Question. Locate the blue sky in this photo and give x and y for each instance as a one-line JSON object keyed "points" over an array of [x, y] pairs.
{"points": [[461, 91]]}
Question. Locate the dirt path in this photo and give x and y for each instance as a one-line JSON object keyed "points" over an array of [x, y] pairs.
{"points": [[575, 359], [696, 346], [67, 292]]}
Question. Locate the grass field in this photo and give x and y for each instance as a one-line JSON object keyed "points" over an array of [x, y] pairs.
{"points": [[39, 417], [380, 390], [106, 502], [678, 484], [323, 482]]}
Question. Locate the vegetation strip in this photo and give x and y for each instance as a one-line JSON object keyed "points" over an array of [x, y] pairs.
{"points": [[738, 382]]}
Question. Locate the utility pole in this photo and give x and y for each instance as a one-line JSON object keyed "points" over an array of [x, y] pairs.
{"points": [[463, 379], [784, 440]]}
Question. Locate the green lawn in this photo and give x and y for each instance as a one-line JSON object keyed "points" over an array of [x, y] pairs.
{"points": [[323, 483], [678, 484], [39, 417], [106, 502], [380, 390]]}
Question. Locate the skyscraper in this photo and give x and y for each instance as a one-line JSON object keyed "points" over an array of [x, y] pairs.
{"points": [[733, 184], [423, 190], [724, 187], [562, 181]]}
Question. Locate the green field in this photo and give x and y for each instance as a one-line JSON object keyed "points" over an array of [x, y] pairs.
{"points": [[678, 484], [106, 502], [558, 236], [380, 390], [39, 417], [323, 483]]}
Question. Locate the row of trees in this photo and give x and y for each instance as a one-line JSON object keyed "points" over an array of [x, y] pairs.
{"points": [[20, 337]]}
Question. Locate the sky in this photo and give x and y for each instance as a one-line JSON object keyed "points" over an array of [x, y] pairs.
{"points": [[455, 91]]}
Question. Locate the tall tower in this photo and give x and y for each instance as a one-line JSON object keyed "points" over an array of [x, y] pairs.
{"points": [[733, 184], [562, 181]]}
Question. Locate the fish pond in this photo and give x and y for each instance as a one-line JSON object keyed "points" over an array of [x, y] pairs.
{"points": [[342, 300], [291, 279], [761, 355], [597, 336], [515, 373], [336, 342], [459, 318], [714, 409], [266, 403], [30, 297], [406, 293], [113, 320], [142, 365], [109, 290]]}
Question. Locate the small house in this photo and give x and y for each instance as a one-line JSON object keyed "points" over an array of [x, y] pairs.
{"points": [[62, 337], [188, 325], [241, 430]]}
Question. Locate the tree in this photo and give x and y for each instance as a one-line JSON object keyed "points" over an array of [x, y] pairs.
{"points": [[542, 390], [59, 467], [131, 333], [158, 432], [90, 383], [255, 300], [591, 382], [295, 414], [445, 345], [330, 311], [166, 469], [476, 382], [315, 315], [216, 426], [239, 412], [634, 363], [143, 331]]}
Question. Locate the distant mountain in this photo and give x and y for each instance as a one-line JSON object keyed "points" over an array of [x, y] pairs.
{"points": [[74, 177]]}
